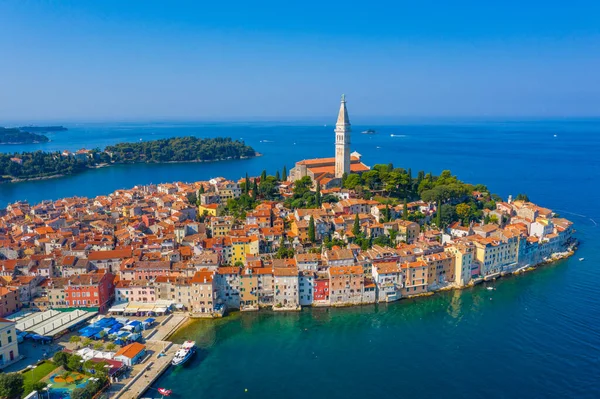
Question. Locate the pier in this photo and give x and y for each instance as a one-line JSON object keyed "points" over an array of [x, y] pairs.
{"points": [[160, 353]]}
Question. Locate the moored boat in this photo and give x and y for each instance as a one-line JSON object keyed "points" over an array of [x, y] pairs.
{"points": [[368, 131], [184, 353]]}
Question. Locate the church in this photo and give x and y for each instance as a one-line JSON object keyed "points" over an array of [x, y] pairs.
{"points": [[328, 172]]}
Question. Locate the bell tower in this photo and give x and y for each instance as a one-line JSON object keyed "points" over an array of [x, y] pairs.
{"points": [[342, 141]]}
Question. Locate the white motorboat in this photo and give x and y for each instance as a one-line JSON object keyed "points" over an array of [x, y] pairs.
{"points": [[184, 353]]}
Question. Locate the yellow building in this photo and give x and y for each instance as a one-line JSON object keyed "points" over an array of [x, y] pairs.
{"points": [[242, 247], [248, 291], [462, 263], [408, 231], [210, 209], [300, 229]]}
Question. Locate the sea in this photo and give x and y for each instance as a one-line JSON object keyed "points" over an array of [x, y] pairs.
{"points": [[533, 336]]}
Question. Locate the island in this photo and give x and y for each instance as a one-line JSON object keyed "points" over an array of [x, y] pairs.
{"points": [[42, 129], [42, 165], [16, 136]]}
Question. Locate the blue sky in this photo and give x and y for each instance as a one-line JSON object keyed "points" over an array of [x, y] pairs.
{"points": [[174, 60]]}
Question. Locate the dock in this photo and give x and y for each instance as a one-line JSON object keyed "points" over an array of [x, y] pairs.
{"points": [[154, 365]]}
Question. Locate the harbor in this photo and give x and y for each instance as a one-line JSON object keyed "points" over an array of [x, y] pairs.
{"points": [[160, 354]]}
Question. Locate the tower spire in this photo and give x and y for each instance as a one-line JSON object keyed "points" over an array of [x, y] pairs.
{"points": [[343, 114], [342, 141]]}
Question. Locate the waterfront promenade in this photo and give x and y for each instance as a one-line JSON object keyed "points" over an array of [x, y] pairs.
{"points": [[160, 352]]}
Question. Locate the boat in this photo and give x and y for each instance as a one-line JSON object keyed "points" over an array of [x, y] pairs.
{"points": [[368, 131], [490, 288], [164, 391], [581, 259], [184, 353]]}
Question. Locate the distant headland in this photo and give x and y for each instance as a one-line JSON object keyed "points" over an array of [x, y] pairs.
{"points": [[27, 134], [39, 165]]}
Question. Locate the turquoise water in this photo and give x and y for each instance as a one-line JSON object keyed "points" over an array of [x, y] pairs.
{"points": [[536, 335]]}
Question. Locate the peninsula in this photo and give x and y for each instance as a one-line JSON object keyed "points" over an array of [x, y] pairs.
{"points": [[41, 165], [332, 232], [16, 136]]}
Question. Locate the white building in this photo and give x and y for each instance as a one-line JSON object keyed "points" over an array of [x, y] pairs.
{"points": [[9, 347], [307, 288]]}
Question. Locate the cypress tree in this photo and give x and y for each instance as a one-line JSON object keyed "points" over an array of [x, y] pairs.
{"points": [[387, 213], [430, 177], [390, 167], [356, 227], [277, 177], [318, 195], [439, 214], [201, 189], [254, 190], [409, 173], [405, 210], [263, 176], [311, 229], [284, 174], [247, 188]]}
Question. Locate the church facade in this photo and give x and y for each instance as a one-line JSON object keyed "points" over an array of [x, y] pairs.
{"points": [[328, 172]]}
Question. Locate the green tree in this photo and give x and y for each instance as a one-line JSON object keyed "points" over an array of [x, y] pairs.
{"points": [[80, 393], [239, 264], [254, 190], [111, 346], [98, 346], [247, 186], [405, 210], [39, 386], [263, 175], [75, 339], [448, 215], [352, 181], [356, 228], [201, 189], [284, 173], [302, 186], [438, 212], [318, 195], [522, 197], [74, 363], [311, 229], [277, 176], [464, 212], [61, 358], [11, 385]]}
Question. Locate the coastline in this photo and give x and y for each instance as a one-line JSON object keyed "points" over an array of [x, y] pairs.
{"points": [[106, 165], [554, 258]]}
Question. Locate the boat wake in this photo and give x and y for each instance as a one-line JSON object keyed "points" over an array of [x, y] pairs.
{"points": [[397, 135], [579, 215], [267, 141]]}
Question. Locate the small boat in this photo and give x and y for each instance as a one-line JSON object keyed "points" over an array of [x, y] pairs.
{"points": [[164, 391], [490, 288], [184, 353], [368, 131], [581, 259]]}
